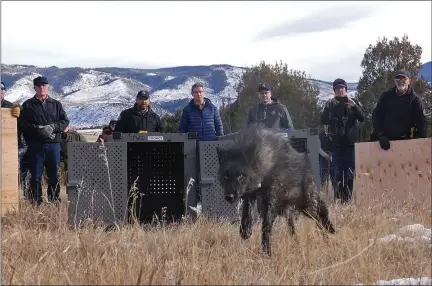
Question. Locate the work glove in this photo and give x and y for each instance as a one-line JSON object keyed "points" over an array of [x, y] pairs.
{"points": [[47, 131], [15, 111], [384, 143]]}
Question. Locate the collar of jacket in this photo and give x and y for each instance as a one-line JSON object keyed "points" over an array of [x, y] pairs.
{"points": [[272, 102], [410, 91], [207, 103], [48, 99]]}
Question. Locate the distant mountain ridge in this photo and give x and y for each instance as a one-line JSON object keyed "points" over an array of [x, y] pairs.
{"points": [[94, 96]]}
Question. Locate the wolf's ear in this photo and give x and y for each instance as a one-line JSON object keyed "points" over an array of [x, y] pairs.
{"points": [[220, 153]]}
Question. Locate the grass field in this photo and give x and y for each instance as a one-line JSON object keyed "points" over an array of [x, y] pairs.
{"points": [[38, 247]]}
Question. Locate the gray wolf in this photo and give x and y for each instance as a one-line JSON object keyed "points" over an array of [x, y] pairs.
{"points": [[262, 167]]}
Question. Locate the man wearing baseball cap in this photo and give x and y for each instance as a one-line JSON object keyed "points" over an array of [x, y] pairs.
{"points": [[273, 114], [399, 113], [140, 118], [43, 120], [342, 115]]}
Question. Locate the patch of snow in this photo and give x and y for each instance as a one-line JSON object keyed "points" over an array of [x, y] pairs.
{"points": [[22, 89], [405, 281], [88, 80], [119, 91], [151, 74], [234, 76], [170, 78], [182, 91], [409, 233]]}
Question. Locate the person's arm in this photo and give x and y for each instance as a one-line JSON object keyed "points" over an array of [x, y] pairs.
{"points": [[379, 115], [184, 122], [218, 122], [159, 127], [250, 118], [286, 122], [419, 118], [358, 111], [63, 120], [325, 114], [24, 122], [120, 123]]}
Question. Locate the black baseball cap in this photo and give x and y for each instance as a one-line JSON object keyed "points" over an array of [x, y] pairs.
{"points": [[402, 72], [143, 94], [264, 86], [40, 80]]}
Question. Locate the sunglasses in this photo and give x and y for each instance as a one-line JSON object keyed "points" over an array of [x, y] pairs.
{"points": [[400, 77]]}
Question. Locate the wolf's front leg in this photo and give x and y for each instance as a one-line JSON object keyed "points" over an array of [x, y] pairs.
{"points": [[246, 218], [268, 218]]}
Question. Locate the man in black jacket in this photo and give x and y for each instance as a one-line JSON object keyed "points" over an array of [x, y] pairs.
{"points": [[342, 116], [43, 120], [140, 118], [399, 113]]}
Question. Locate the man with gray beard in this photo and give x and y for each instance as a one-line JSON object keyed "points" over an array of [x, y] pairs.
{"points": [[399, 113]]}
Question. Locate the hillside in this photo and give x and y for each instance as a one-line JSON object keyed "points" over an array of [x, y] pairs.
{"points": [[94, 96]]}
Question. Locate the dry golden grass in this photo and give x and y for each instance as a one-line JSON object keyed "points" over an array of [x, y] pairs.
{"points": [[38, 247]]}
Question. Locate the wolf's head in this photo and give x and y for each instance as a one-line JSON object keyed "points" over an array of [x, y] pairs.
{"points": [[237, 175]]}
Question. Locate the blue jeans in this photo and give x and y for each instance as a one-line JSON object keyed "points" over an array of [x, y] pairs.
{"points": [[343, 172], [42, 155], [325, 170]]}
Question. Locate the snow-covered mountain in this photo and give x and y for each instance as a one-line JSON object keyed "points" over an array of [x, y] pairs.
{"points": [[95, 96]]}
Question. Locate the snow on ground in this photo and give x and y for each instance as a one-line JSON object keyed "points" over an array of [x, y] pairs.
{"points": [[88, 80], [409, 233], [22, 89], [180, 92], [405, 281]]}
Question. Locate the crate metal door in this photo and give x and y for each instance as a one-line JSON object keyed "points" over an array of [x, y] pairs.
{"points": [[97, 183], [213, 203]]}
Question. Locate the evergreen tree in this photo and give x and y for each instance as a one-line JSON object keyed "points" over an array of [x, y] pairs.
{"points": [[170, 123], [290, 87]]}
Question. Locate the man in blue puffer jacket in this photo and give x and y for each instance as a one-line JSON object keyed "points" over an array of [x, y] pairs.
{"points": [[201, 116]]}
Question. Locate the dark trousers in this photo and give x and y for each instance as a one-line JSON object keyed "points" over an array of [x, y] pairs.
{"points": [[24, 172], [326, 171], [44, 155], [343, 159]]}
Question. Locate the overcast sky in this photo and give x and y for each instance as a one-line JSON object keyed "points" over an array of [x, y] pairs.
{"points": [[324, 39]]}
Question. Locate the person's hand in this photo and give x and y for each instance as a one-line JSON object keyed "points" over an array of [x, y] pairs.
{"points": [[66, 130], [384, 143], [350, 101], [47, 131], [15, 111]]}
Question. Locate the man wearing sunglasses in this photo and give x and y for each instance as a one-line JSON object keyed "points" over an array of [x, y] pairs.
{"points": [[399, 113], [269, 112]]}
